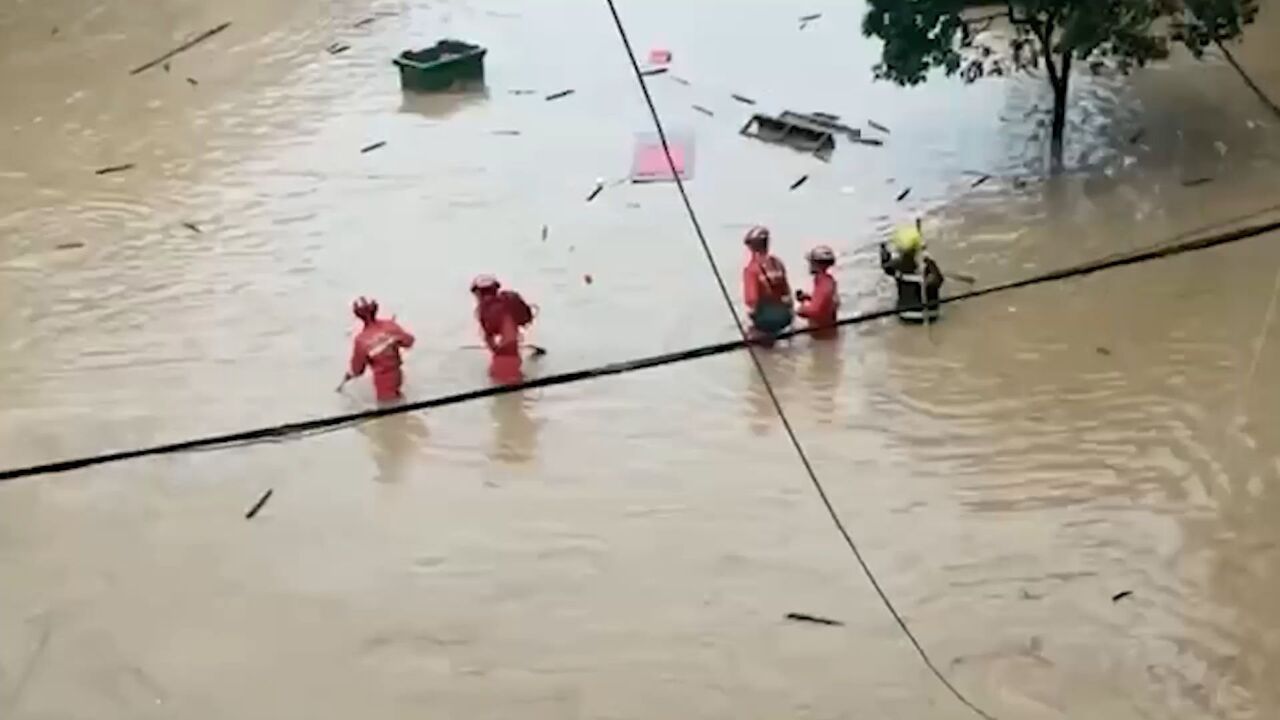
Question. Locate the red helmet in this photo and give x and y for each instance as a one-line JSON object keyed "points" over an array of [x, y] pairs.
{"points": [[822, 255], [757, 236], [485, 284], [365, 309]]}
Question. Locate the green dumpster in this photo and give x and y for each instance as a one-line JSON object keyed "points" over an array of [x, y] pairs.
{"points": [[447, 65]]}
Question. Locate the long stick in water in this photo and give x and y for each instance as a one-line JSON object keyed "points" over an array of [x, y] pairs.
{"points": [[181, 48]]}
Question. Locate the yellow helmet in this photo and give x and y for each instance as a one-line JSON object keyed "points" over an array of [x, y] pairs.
{"points": [[907, 239]]}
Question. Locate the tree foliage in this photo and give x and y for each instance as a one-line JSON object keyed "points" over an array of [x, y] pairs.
{"points": [[954, 36]]}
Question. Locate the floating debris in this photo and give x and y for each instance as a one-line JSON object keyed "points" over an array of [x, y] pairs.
{"points": [[192, 227], [659, 56], [903, 195], [803, 179], [1102, 351], [743, 99], [810, 18], [680, 80], [1121, 595], [69, 245], [1136, 137], [653, 71], [599, 189], [979, 181], [877, 126], [704, 111], [113, 169], [562, 93], [165, 67], [1196, 181], [797, 136], [821, 121], [54, 31], [803, 617], [506, 132], [192, 82], [181, 48], [337, 48], [374, 146], [253, 511], [365, 22], [586, 278], [521, 92], [544, 233]]}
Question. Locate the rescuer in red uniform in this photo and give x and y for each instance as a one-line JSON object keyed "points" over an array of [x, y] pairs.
{"points": [[820, 307], [377, 347]]}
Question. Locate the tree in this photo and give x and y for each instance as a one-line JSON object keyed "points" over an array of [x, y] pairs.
{"points": [[953, 35]]}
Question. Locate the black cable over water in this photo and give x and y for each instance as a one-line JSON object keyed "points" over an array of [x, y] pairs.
{"points": [[1257, 90], [768, 385], [276, 433]]}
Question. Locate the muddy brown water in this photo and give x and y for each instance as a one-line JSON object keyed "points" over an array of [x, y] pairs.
{"points": [[626, 548]]}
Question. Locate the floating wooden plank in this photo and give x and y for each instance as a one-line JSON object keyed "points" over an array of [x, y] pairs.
{"points": [[803, 137], [562, 93], [181, 48], [374, 146], [114, 169]]}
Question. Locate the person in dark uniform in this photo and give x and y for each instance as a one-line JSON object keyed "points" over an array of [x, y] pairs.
{"points": [[918, 277]]}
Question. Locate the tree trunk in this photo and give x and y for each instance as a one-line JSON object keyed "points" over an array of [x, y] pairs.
{"points": [[1061, 84]]}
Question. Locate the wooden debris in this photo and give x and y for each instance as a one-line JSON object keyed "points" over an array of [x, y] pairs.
{"points": [[680, 80], [113, 169], [562, 93], [743, 99], [1196, 181], [653, 71], [253, 511], [704, 111], [980, 180], [192, 82], [69, 245], [192, 227], [337, 48], [803, 179], [803, 617], [365, 22], [374, 146], [586, 278], [522, 92], [877, 126], [1102, 351], [544, 233], [810, 18], [165, 67], [1121, 595], [181, 48], [506, 132], [903, 195], [599, 189]]}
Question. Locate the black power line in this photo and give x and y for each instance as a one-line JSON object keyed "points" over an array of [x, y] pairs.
{"points": [[764, 377]]}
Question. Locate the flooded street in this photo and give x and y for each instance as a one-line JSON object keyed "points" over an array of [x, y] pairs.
{"points": [[627, 547]]}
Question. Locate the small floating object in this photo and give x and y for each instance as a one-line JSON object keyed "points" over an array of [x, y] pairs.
{"points": [[192, 82], [544, 233], [903, 195], [803, 617], [192, 227], [680, 80], [562, 93], [649, 160], [1196, 181], [586, 278], [653, 71], [69, 245], [365, 22], [659, 56], [877, 126], [374, 146], [796, 135], [444, 66], [743, 99], [1102, 351], [113, 169], [704, 111], [1121, 595], [599, 189], [521, 92], [1134, 138], [165, 67], [337, 48], [810, 17], [506, 132], [980, 180], [253, 511], [803, 179]]}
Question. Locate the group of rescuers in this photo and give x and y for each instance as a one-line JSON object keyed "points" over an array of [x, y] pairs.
{"points": [[503, 315]]}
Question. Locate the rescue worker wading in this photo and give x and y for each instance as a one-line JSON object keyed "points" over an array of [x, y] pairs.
{"points": [[765, 288], [501, 314], [820, 307], [918, 277], [377, 347]]}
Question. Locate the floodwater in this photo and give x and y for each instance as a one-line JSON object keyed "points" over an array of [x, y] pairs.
{"points": [[628, 547]]}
